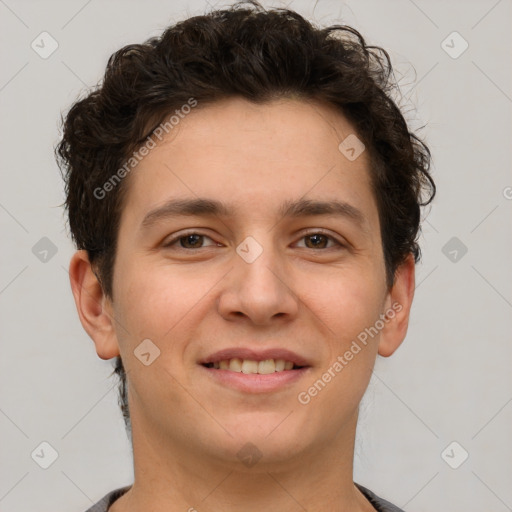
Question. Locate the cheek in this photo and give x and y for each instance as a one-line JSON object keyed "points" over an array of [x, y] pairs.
{"points": [[346, 302], [158, 302], [349, 307]]}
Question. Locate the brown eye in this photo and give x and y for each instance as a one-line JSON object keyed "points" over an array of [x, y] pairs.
{"points": [[191, 241], [316, 241]]}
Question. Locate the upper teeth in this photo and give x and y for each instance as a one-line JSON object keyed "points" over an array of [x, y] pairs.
{"points": [[250, 366]]}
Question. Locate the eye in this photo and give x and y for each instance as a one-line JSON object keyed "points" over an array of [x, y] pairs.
{"points": [[189, 241], [319, 240]]}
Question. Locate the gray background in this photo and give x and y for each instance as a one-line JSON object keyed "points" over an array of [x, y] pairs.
{"points": [[450, 380]]}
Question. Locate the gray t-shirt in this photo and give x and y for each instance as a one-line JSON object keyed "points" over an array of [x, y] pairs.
{"points": [[379, 504]]}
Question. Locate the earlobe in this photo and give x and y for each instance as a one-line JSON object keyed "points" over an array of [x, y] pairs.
{"points": [[93, 306], [398, 308]]}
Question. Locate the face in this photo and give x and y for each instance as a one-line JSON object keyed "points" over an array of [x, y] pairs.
{"points": [[249, 241]]}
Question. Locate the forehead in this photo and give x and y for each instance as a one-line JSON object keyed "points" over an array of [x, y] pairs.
{"points": [[253, 156]]}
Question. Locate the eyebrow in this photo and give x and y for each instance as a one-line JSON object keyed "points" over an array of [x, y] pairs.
{"points": [[309, 207], [214, 208], [186, 207]]}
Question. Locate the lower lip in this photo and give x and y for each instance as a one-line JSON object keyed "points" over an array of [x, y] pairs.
{"points": [[254, 382]]}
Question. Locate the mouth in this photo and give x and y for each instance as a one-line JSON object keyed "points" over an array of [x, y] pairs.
{"points": [[252, 366], [252, 371]]}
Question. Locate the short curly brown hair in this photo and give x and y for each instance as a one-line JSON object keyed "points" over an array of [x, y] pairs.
{"points": [[260, 55]]}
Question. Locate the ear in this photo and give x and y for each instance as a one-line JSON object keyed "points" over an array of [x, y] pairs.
{"points": [[94, 307], [398, 306]]}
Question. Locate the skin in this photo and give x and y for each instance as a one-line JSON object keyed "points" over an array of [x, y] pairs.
{"points": [[187, 427]]}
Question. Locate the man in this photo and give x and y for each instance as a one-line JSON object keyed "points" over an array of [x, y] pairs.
{"points": [[245, 199]]}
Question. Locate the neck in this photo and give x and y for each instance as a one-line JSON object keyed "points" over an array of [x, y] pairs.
{"points": [[171, 477]]}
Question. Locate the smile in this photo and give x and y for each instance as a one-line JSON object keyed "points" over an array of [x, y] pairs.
{"points": [[251, 366]]}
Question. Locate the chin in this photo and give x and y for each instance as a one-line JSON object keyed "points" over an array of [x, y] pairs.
{"points": [[265, 438]]}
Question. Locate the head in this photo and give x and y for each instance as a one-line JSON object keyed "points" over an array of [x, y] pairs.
{"points": [[250, 109]]}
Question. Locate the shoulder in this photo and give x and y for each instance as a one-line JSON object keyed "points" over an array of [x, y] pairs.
{"points": [[379, 504], [107, 500]]}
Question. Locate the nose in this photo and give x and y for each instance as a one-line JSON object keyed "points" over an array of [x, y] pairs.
{"points": [[259, 291]]}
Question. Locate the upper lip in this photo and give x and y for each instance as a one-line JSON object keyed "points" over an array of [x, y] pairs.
{"points": [[255, 355]]}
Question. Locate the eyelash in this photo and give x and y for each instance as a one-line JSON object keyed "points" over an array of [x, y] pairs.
{"points": [[176, 239]]}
